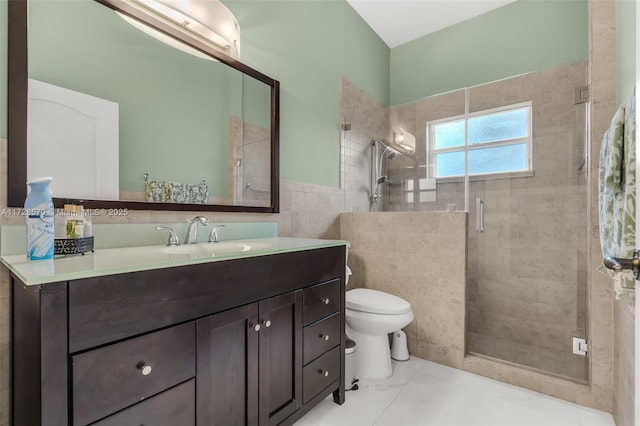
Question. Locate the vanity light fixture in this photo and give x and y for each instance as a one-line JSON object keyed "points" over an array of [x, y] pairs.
{"points": [[404, 140], [164, 38], [210, 21]]}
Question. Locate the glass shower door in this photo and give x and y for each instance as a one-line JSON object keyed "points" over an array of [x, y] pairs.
{"points": [[526, 280]]}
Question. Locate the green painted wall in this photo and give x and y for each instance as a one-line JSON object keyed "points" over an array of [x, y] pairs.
{"points": [[307, 46], [256, 102], [524, 36], [625, 49]]}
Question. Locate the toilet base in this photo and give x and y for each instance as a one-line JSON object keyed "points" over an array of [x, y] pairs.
{"points": [[373, 357]]}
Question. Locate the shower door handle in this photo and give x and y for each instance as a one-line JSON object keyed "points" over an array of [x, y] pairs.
{"points": [[618, 264], [479, 215]]}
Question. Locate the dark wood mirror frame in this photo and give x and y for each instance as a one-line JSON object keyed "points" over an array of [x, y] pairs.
{"points": [[17, 114]]}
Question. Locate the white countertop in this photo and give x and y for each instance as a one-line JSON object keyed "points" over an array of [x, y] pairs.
{"points": [[131, 259]]}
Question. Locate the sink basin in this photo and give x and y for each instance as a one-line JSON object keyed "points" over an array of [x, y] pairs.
{"points": [[215, 249]]}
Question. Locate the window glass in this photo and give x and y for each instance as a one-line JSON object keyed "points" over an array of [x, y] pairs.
{"points": [[505, 158], [449, 134], [500, 126], [499, 142], [450, 164]]}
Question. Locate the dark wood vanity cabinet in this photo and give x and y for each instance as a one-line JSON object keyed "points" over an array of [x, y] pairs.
{"points": [[280, 357], [116, 376], [254, 341], [255, 351], [228, 367]]}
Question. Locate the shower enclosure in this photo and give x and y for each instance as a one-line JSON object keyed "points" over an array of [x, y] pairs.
{"points": [[512, 154]]}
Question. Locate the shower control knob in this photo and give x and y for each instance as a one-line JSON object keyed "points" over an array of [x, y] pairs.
{"points": [[325, 373], [325, 300], [256, 327], [324, 336], [266, 323], [144, 368]]}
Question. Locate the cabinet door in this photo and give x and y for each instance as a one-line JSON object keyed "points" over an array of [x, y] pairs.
{"points": [[227, 377], [280, 357]]}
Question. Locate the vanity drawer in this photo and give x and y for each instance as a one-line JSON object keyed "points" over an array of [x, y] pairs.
{"points": [[113, 377], [114, 307], [320, 337], [320, 374], [170, 408], [320, 301]]}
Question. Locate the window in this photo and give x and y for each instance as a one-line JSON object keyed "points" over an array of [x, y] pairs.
{"points": [[498, 141]]}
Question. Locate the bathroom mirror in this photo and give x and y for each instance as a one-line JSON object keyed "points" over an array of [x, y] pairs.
{"points": [[166, 130]]}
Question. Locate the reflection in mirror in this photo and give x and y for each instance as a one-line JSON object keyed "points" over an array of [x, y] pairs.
{"points": [[199, 130]]}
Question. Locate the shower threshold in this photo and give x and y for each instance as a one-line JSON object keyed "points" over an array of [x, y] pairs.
{"points": [[528, 367]]}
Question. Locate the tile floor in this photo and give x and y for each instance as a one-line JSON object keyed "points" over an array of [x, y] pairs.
{"points": [[423, 393]]}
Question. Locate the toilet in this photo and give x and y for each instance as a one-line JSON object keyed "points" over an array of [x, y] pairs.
{"points": [[371, 315]]}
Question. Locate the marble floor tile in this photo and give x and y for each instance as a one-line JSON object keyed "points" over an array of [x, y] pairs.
{"points": [[423, 393], [591, 417]]}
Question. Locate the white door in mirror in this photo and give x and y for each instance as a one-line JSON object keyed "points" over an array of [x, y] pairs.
{"points": [[64, 125]]}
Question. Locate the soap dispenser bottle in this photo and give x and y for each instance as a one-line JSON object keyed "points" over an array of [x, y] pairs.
{"points": [[39, 212]]}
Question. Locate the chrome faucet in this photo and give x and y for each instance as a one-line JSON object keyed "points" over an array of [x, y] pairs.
{"points": [[213, 237], [192, 232]]}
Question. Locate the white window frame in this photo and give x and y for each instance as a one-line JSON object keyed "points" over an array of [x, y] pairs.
{"points": [[528, 140]]}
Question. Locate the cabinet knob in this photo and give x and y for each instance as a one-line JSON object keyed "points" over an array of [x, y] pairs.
{"points": [[325, 300], [267, 323], [325, 373], [256, 327], [324, 336], [144, 368]]}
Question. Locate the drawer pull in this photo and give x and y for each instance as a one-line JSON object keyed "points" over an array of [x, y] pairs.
{"points": [[326, 300], [325, 373], [324, 336], [267, 323], [144, 369], [256, 327]]}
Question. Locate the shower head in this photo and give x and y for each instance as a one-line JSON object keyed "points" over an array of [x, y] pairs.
{"points": [[392, 149], [389, 152]]}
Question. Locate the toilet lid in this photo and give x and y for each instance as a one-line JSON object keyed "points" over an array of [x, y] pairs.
{"points": [[376, 302]]}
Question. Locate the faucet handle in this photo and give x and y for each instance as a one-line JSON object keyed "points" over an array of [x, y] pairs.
{"points": [[213, 237], [173, 237]]}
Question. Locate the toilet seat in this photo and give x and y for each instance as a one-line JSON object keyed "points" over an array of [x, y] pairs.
{"points": [[376, 302]]}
